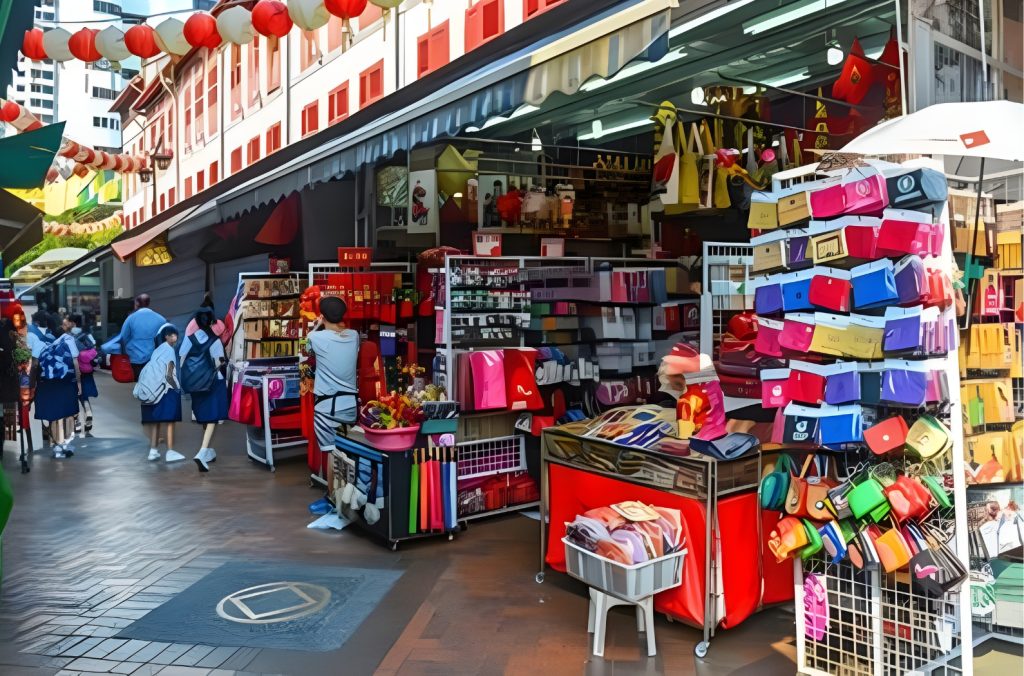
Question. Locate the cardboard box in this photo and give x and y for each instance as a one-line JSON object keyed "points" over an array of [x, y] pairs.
{"points": [[794, 209]]}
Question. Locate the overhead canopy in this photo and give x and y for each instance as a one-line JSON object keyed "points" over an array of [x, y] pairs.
{"points": [[26, 157], [125, 246], [21, 227], [48, 263], [16, 17]]}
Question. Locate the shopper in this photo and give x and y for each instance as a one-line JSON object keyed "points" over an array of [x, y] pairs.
{"points": [[38, 328], [87, 356], [57, 391], [202, 361], [138, 333], [336, 350], [159, 384], [219, 328]]}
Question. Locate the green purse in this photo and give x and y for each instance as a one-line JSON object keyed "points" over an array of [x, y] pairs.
{"points": [[814, 543], [938, 491], [868, 498], [976, 410], [775, 485]]}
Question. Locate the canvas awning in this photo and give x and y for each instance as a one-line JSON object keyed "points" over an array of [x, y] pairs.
{"points": [[21, 227], [127, 244], [26, 157]]}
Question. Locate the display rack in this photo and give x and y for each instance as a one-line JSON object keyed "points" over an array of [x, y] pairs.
{"points": [[263, 442]]}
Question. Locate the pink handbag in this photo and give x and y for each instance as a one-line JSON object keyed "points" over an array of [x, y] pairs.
{"points": [[773, 391], [488, 375], [865, 196], [898, 238], [767, 340], [827, 202], [796, 336]]}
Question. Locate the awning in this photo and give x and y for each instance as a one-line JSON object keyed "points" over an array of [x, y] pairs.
{"points": [[48, 263], [127, 244], [561, 62], [26, 157], [21, 227]]}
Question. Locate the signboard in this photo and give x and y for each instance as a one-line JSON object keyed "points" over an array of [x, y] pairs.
{"points": [[552, 246], [355, 256], [486, 244]]}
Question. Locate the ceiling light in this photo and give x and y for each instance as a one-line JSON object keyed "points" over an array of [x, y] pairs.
{"points": [[788, 78], [697, 96], [785, 15], [834, 56], [535, 144], [622, 127], [596, 129], [704, 18]]}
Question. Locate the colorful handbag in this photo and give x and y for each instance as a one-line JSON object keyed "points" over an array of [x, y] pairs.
{"points": [[919, 190], [814, 543], [903, 330], [861, 241], [866, 498], [830, 334], [831, 292], [841, 425], [795, 294], [940, 289], [787, 538], [775, 485], [797, 334], [827, 202], [766, 342], [773, 388], [833, 541], [934, 569], [768, 299], [815, 607], [898, 237], [893, 551], [865, 196], [928, 437], [842, 387], [805, 387], [886, 436], [903, 385], [909, 498], [807, 495], [874, 284], [911, 280], [798, 255]]}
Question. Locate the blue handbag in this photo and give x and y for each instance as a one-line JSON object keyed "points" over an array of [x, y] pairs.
{"points": [[768, 299], [874, 284], [844, 425], [796, 295]]}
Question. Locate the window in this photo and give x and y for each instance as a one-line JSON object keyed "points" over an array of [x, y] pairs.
{"points": [[95, 121], [171, 197], [371, 84], [337, 104], [532, 8], [484, 21], [308, 49], [310, 118], [163, 202], [273, 65], [97, 93], [274, 138], [253, 150], [187, 100], [211, 96], [236, 160], [106, 7], [236, 81], [198, 106], [200, 181], [188, 187], [432, 50], [253, 86], [213, 173], [45, 89], [38, 74]]}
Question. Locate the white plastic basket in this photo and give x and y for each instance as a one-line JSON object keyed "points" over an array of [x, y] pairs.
{"points": [[629, 583]]}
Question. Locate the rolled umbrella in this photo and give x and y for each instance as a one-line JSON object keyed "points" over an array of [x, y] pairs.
{"points": [[436, 511], [414, 492], [446, 479], [424, 491]]}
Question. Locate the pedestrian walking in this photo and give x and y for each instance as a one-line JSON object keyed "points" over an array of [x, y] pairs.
{"points": [[139, 332], [87, 359], [57, 391], [38, 328], [202, 358], [160, 393], [219, 328], [336, 350]]}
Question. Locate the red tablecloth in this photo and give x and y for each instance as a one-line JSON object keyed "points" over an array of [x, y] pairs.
{"points": [[573, 492]]}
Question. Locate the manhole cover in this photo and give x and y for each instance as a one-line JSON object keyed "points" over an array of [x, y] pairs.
{"points": [[274, 602]]}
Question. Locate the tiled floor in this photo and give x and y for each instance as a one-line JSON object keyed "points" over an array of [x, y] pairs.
{"points": [[98, 540]]}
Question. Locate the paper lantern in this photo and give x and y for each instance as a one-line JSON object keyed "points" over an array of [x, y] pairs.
{"points": [[110, 43], [270, 18], [81, 171], [68, 148], [141, 41], [345, 9], [10, 111], [308, 15], [55, 42], [83, 45], [85, 155], [235, 25], [170, 37], [201, 31], [386, 4], [32, 45]]}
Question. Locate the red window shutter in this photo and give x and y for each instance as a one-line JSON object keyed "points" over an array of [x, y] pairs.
{"points": [[371, 84], [200, 181], [492, 18], [254, 150], [530, 8], [337, 104], [236, 160], [214, 172], [474, 28], [274, 138], [163, 202], [188, 187], [422, 55], [311, 118], [171, 195], [439, 47], [211, 98]]}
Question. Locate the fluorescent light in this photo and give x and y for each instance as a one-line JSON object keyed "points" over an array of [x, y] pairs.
{"points": [[597, 129], [785, 15], [704, 18], [697, 96], [612, 130], [834, 56], [788, 78], [631, 70]]}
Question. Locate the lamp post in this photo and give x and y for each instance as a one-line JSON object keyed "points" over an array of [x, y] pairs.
{"points": [[158, 160]]}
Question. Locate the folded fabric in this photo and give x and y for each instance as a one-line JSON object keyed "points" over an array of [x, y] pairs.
{"points": [[632, 543], [615, 551], [608, 516], [586, 532], [729, 447]]}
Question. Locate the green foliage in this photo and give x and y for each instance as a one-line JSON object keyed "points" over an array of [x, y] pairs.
{"points": [[49, 242]]}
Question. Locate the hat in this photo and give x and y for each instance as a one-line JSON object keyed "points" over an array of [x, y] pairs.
{"points": [[685, 358]]}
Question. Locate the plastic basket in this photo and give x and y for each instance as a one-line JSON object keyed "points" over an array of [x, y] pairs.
{"points": [[629, 583]]}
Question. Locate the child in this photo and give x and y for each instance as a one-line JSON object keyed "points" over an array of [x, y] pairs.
{"points": [[79, 330], [160, 375], [58, 390], [336, 350], [202, 356]]}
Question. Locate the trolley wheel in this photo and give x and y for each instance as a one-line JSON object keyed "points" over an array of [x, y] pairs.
{"points": [[464, 526], [669, 618], [539, 578], [451, 536], [393, 544], [701, 649]]}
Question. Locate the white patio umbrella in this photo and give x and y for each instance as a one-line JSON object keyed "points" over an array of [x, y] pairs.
{"points": [[982, 129]]}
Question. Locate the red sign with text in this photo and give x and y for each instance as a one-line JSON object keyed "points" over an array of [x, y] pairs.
{"points": [[355, 256]]}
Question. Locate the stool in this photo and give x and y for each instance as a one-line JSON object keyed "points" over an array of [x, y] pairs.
{"points": [[601, 603]]}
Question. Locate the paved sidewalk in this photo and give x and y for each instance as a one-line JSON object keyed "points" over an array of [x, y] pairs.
{"points": [[98, 540]]}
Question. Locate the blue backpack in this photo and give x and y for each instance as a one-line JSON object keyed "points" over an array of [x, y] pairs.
{"points": [[198, 372], [56, 362]]}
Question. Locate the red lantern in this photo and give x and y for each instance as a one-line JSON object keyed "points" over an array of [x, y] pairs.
{"points": [[81, 171], [141, 41], [83, 45], [118, 162], [32, 45], [201, 31], [10, 111], [270, 18], [345, 9], [69, 148], [35, 125]]}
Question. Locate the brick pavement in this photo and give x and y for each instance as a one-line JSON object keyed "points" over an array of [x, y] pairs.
{"points": [[98, 540]]}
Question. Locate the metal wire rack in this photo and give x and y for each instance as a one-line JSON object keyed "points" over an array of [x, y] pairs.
{"points": [[491, 456]]}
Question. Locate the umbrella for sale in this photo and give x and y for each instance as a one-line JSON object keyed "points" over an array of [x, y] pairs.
{"points": [[414, 492], [436, 516], [446, 487], [424, 493], [982, 129]]}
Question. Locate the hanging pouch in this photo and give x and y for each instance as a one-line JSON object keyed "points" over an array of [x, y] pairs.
{"points": [[841, 425], [842, 384], [940, 289], [768, 299], [920, 190], [805, 387], [911, 280], [886, 436], [831, 292], [797, 333], [800, 424], [796, 292], [767, 340], [903, 330], [773, 388], [865, 196], [798, 253], [861, 241], [899, 237], [827, 202], [831, 334], [874, 284], [928, 437], [903, 383]]}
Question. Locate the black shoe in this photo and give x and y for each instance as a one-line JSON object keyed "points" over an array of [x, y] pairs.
{"points": [[88, 423]]}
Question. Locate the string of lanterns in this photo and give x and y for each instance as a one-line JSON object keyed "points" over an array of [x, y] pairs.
{"points": [[235, 24]]}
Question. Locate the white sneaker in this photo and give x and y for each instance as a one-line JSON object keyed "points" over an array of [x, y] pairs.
{"points": [[203, 458], [154, 454], [58, 452], [173, 456]]}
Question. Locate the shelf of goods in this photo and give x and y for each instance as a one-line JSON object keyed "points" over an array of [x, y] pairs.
{"points": [[264, 353], [855, 296], [729, 573]]}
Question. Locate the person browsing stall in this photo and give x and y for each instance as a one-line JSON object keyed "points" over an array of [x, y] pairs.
{"points": [[336, 350]]}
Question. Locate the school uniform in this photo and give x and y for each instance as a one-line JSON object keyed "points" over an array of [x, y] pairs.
{"points": [[168, 408], [88, 380], [58, 399], [211, 406]]}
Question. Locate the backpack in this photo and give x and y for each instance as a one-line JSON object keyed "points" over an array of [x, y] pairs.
{"points": [[148, 393], [56, 362], [87, 353], [198, 372]]}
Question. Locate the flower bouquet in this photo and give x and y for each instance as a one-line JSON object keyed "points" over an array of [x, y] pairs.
{"points": [[391, 422]]}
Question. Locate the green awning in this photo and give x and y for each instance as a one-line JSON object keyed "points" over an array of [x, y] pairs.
{"points": [[25, 158]]}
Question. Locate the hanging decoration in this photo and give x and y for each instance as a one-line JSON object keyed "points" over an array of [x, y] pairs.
{"points": [[857, 76], [110, 43], [345, 10], [170, 37], [141, 41], [235, 25], [201, 31], [309, 15], [270, 18], [32, 45], [55, 42], [386, 4], [83, 45]]}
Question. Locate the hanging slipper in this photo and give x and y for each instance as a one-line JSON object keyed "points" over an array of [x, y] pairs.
{"points": [[375, 502]]}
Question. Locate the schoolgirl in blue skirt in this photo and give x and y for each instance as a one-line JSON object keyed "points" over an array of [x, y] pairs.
{"points": [[199, 353], [160, 375]]}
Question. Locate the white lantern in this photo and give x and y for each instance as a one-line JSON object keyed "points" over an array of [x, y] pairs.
{"points": [[308, 15], [235, 25], [55, 42], [110, 43], [386, 4], [170, 37]]}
